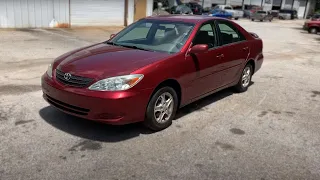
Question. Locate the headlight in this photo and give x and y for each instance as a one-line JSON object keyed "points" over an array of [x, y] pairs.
{"points": [[118, 83], [49, 70]]}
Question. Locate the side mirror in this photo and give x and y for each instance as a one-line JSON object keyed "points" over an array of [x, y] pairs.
{"points": [[199, 48], [112, 35]]}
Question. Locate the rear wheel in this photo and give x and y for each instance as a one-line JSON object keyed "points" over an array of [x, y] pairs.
{"points": [[245, 79], [236, 18], [252, 19], [313, 30], [161, 109]]}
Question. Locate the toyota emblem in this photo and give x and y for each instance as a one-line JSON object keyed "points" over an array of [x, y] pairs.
{"points": [[67, 76]]}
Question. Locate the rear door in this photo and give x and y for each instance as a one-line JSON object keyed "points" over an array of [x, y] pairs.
{"points": [[235, 49]]}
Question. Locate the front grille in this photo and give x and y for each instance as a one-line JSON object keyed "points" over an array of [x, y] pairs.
{"points": [[67, 107], [76, 81]]}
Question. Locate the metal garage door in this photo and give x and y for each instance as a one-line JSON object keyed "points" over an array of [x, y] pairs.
{"points": [[97, 12], [33, 13]]}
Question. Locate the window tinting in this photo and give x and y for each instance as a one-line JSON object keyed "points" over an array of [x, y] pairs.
{"points": [[228, 33], [205, 35]]}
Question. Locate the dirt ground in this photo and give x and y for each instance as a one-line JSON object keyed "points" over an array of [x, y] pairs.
{"points": [[269, 132]]}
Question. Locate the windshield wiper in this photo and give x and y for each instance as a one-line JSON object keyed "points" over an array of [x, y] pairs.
{"points": [[128, 46], [111, 43], [134, 47]]}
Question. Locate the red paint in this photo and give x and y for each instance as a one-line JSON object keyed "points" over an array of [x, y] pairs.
{"points": [[198, 70], [314, 23], [199, 48]]}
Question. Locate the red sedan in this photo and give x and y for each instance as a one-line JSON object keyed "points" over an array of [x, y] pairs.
{"points": [[151, 68]]}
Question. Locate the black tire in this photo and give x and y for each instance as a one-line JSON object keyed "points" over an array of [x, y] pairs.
{"points": [[313, 30], [252, 19], [261, 20], [236, 18], [240, 86], [150, 120]]}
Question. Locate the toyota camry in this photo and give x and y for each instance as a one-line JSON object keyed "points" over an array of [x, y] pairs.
{"points": [[152, 68]]}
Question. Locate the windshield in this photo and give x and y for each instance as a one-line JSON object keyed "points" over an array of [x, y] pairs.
{"points": [[154, 35]]}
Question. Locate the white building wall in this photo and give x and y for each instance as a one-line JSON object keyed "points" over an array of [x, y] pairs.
{"points": [[302, 8], [33, 13], [130, 15], [97, 12], [149, 8]]}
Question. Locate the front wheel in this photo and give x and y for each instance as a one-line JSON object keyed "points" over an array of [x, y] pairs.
{"points": [[252, 19], [161, 109], [236, 18], [245, 79]]}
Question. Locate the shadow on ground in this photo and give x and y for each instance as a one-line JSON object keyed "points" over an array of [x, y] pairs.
{"points": [[198, 105], [108, 133], [89, 129], [298, 28]]}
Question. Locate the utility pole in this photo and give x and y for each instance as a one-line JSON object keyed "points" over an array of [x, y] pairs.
{"points": [[202, 3]]}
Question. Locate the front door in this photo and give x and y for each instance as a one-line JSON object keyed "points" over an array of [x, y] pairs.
{"points": [[140, 9], [207, 77]]}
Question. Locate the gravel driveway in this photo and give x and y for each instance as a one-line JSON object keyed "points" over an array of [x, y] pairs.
{"points": [[269, 132]]}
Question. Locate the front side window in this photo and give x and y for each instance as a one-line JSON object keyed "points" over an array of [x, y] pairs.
{"points": [[206, 35], [228, 33], [154, 35]]}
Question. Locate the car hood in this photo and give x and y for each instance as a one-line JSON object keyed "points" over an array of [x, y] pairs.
{"points": [[103, 60]]}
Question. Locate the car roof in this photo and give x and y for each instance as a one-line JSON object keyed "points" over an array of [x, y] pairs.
{"points": [[183, 18]]}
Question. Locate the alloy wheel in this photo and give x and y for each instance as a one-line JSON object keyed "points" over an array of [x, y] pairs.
{"points": [[246, 76], [163, 107]]}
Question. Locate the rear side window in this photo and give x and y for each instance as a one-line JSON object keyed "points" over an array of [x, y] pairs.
{"points": [[229, 33]]}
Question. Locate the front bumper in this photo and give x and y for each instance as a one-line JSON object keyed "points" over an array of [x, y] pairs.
{"points": [[121, 107]]}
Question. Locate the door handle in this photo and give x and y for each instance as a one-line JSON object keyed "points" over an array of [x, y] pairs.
{"points": [[220, 56], [246, 48]]}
